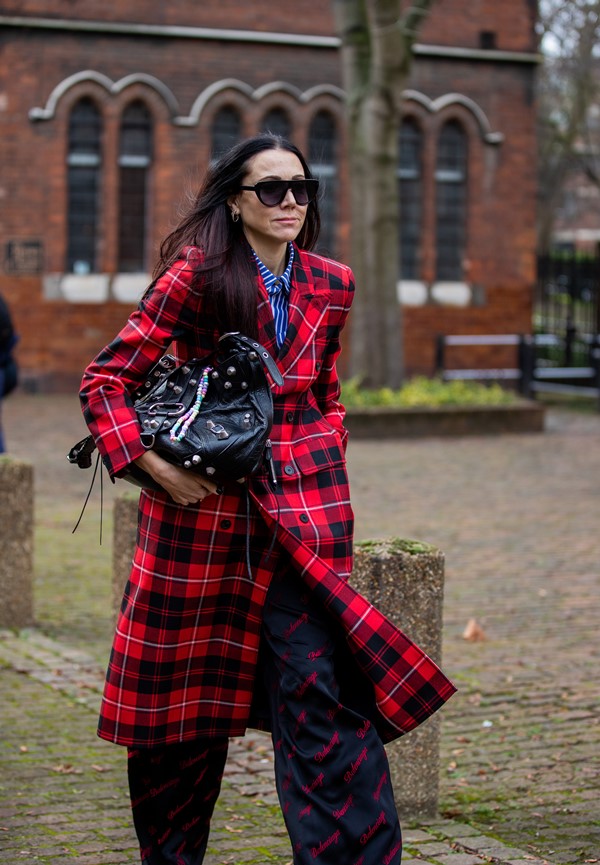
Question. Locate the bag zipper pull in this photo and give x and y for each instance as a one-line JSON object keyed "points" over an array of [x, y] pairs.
{"points": [[269, 460]]}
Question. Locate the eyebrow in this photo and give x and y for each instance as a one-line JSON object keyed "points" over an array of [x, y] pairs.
{"points": [[277, 177]]}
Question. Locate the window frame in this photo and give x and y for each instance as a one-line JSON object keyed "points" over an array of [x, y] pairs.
{"points": [[133, 186], [84, 182]]}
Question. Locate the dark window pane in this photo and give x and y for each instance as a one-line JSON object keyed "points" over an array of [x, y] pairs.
{"points": [[136, 131], [277, 122], [132, 222], [451, 202], [411, 196], [226, 131], [135, 154], [84, 128], [322, 157], [83, 186]]}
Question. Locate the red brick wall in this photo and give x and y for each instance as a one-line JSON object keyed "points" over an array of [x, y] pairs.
{"points": [[299, 16], [57, 338]]}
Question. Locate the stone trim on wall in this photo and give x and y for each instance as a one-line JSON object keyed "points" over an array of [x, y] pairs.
{"points": [[95, 288], [415, 292], [115, 87]]}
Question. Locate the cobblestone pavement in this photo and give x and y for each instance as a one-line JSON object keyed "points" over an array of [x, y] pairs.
{"points": [[517, 517]]}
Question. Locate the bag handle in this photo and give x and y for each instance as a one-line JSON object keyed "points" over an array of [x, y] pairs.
{"points": [[261, 352]]}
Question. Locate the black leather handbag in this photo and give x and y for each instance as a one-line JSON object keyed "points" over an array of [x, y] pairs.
{"points": [[211, 416]]}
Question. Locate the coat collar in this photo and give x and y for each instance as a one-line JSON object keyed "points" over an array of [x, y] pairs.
{"points": [[309, 299]]}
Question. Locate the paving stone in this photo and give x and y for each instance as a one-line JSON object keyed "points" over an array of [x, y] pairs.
{"points": [[516, 517], [461, 859]]}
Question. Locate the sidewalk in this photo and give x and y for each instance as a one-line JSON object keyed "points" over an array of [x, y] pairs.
{"points": [[517, 517]]}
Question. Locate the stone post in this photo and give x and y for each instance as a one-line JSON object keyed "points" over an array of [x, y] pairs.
{"points": [[124, 532], [16, 543], [405, 580]]}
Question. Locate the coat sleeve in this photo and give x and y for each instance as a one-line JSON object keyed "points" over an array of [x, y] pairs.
{"points": [[167, 313], [326, 388]]}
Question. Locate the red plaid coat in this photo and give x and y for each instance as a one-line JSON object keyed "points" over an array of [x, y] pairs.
{"points": [[185, 654]]}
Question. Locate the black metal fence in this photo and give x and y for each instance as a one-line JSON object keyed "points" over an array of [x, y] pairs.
{"points": [[567, 308], [562, 354]]}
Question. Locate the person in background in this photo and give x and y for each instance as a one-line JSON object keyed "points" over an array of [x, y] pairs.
{"points": [[8, 364]]}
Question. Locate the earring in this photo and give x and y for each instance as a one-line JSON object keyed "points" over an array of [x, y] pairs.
{"points": [[235, 215]]}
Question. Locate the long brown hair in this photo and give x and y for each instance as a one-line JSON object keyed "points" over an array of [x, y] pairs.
{"points": [[226, 270]]}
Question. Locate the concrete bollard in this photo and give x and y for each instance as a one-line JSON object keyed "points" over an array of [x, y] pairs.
{"points": [[16, 543], [124, 534], [405, 580]]}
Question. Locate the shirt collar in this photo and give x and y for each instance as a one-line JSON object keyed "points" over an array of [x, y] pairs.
{"points": [[273, 283]]}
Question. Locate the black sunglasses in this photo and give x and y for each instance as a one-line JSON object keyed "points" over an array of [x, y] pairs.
{"points": [[272, 192]]}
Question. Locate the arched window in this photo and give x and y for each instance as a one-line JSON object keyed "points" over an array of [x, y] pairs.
{"points": [[451, 202], [83, 182], [410, 190], [226, 131], [322, 158], [135, 157], [277, 122]]}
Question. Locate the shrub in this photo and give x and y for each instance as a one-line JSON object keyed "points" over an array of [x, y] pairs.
{"points": [[430, 392]]}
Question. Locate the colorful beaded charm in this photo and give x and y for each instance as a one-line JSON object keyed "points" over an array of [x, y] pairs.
{"points": [[182, 424]]}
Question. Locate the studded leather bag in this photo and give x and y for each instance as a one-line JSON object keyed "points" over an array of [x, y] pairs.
{"points": [[211, 416]]}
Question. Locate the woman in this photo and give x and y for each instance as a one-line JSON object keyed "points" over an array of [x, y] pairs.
{"points": [[202, 651]]}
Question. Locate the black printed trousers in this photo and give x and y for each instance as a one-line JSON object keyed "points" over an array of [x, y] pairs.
{"points": [[331, 770]]}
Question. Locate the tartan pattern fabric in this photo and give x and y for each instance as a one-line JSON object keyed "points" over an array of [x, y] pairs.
{"points": [[185, 652]]}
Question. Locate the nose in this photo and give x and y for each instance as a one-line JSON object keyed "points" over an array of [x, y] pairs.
{"points": [[288, 198]]}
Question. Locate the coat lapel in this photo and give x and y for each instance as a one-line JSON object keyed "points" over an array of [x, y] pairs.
{"points": [[309, 300], [308, 303]]}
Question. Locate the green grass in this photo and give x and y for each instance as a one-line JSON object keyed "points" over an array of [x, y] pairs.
{"points": [[570, 402], [73, 577], [428, 392]]}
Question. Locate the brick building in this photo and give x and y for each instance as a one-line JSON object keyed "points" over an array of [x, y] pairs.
{"points": [[109, 114]]}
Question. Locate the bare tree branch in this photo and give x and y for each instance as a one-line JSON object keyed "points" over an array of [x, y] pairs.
{"points": [[568, 88]]}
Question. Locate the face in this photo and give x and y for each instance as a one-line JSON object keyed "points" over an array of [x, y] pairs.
{"points": [[268, 229]]}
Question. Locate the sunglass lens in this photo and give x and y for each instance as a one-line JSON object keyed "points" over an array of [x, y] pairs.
{"points": [[271, 192], [305, 190], [299, 192]]}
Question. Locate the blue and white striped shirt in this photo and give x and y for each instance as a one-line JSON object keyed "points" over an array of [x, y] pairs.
{"points": [[278, 289]]}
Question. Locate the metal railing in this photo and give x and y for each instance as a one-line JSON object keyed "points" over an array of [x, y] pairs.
{"points": [[533, 374]]}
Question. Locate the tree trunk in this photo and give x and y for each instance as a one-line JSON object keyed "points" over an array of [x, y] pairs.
{"points": [[376, 51]]}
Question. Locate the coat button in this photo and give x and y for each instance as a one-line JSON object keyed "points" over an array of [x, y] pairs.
{"points": [[290, 417], [289, 470], [225, 524], [303, 518], [318, 366]]}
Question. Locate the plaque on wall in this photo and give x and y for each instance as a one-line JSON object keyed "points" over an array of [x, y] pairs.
{"points": [[24, 257]]}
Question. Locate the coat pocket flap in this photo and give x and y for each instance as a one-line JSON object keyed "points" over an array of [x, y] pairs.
{"points": [[319, 454]]}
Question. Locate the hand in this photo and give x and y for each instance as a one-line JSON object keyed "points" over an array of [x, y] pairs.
{"points": [[185, 488]]}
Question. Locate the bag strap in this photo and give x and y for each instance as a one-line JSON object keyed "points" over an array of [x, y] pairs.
{"points": [[261, 352]]}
